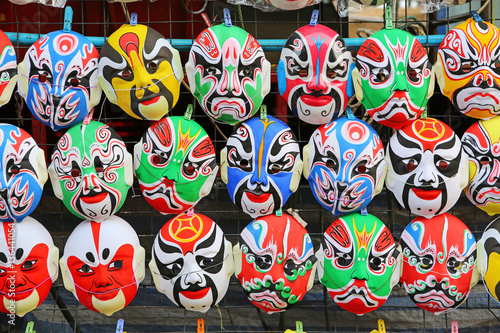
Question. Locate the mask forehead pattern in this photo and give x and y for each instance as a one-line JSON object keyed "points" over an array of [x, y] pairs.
{"points": [[315, 74], [61, 79], [175, 164], [439, 255], [395, 75], [262, 155], [346, 164], [471, 80], [277, 261], [358, 259], [140, 70], [230, 73], [8, 68]]}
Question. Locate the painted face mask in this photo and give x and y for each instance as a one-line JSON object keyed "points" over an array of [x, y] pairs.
{"points": [[427, 167], [140, 72], [228, 73], [103, 264], [28, 270], [261, 165], [359, 263], [314, 74], [23, 173], [91, 171], [345, 165], [58, 79], [175, 164], [192, 262], [275, 263], [439, 256], [482, 143], [488, 258], [8, 69], [467, 71], [393, 77]]}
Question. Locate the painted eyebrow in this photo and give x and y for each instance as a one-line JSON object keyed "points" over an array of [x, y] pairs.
{"points": [[407, 143], [447, 144], [167, 248], [209, 241]]}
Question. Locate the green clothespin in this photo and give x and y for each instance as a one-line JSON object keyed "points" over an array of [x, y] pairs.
{"points": [[424, 114], [68, 19], [263, 112], [29, 327], [388, 16], [298, 327], [279, 212], [189, 112]]}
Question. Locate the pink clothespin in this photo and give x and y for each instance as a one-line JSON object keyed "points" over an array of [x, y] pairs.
{"points": [[88, 118], [454, 326], [190, 213]]}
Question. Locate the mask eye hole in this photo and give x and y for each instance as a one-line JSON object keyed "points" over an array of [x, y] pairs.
{"points": [[275, 169], [303, 73], [156, 159], [331, 74], [330, 164], [246, 71], [126, 74], [85, 269], [411, 165], [152, 66], [213, 71], [190, 169], [14, 170], [466, 68], [75, 172], [74, 82], [244, 163], [42, 77], [99, 168], [443, 165], [381, 76], [412, 73], [485, 160], [362, 169]]}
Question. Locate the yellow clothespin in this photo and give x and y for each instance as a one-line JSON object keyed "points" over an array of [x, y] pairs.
{"points": [[381, 327]]}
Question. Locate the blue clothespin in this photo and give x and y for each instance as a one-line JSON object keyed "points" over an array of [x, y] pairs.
{"points": [[279, 212], [314, 18], [189, 112], [388, 16], [29, 327], [364, 211], [227, 17], [119, 325], [263, 112], [349, 113], [476, 16], [133, 19], [68, 19]]}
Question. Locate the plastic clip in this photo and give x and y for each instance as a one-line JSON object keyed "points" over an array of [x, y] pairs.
{"points": [[190, 212], [388, 16], [381, 327], [263, 112], [454, 326], [364, 211], [476, 18], [314, 18], [349, 113], [133, 19], [279, 212], [424, 114], [68, 19], [298, 327], [227, 17], [119, 325], [201, 326], [88, 118], [189, 112], [29, 327]]}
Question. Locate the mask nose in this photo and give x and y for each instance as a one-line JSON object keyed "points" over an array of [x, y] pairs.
{"points": [[56, 99]]}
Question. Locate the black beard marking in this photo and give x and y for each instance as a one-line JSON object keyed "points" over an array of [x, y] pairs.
{"points": [[409, 184]]}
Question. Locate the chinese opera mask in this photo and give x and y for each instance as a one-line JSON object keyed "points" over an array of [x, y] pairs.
{"points": [[275, 262], [261, 165], [228, 73], [140, 72], [175, 164], [314, 74], [8, 69], [482, 143], [28, 269], [91, 171], [103, 264], [359, 263], [393, 77], [428, 168], [23, 173], [345, 165], [467, 68], [58, 79], [192, 262], [439, 257], [488, 258]]}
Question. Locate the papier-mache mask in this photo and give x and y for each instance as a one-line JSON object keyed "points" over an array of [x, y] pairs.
{"points": [[344, 164], [192, 262], [359, 263], [393, 77], [103, 264], [140, 72], [228, 73], [58, 79], [28, 266], [175, 164], [482, 143], [275, 263], [8, 69], [314, 74], [261, 165], [439, 257], [467, 68], [91, 171], [488, 258], [428, 168], [23, 173]]}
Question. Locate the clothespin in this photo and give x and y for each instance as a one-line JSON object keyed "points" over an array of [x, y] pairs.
{"points": [[298, 324], [201, 326], [364, 211], [88, 118], [119, 325], [29, 327], [263, 112], [68, 19], [314, 18], [133, 19], [388, 16], [476, 18], [454, 326], [189, 112], [381, 327], [424, 114], [227, 17], [190, 213], [279, 212], [205, 18], [349, 113]]}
